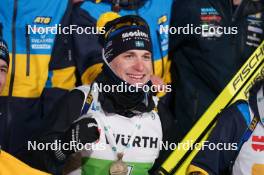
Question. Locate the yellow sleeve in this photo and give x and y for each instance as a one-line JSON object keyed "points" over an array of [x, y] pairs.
{"points": [[64, 78], [91, 73], [9, 165]]}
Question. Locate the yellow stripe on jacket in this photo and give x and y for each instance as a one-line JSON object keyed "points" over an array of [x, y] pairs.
{"points": [[32, 84], [9, 165]]}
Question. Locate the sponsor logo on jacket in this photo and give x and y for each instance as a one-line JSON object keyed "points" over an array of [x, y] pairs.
{"points": [[139, 141], [42, 20], [254, 30], [209, 18], [258, 143]]}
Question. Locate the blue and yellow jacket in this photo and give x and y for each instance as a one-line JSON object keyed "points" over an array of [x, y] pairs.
{"points": [[88, 51], [41, 67]]}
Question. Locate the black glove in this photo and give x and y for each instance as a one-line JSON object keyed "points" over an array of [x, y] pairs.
{"points": [[81, 132]]}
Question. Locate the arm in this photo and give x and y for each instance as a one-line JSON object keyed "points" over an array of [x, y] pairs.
{"points": [[87, 50], [61, 73], [64, 128], [229, 130]]}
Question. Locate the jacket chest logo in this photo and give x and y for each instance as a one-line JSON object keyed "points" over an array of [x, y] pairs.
{"points": [[254, 30], [210, 15], [42, 20], [209, 18]]}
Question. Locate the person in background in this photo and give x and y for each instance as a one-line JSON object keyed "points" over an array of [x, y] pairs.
{"points": [[9, 165], [4, 63], [240, 131], [41, 68], [204, 62]]}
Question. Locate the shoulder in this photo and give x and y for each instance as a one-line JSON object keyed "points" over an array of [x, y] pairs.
{"points": [[84, 89], [234, 112], [78, 94], [231, 122]]}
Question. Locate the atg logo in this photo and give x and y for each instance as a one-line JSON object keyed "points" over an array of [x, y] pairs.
{"points": [[42, 20]]}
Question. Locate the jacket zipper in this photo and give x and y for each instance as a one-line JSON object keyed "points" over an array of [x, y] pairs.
{"points": [[28, 51], [13, 49], [235, 15], [161, 54], [195, 105], [10, 92]]}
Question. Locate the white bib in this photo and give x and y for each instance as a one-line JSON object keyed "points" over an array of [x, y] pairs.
{"points": [[250, 160], [146, 144]]}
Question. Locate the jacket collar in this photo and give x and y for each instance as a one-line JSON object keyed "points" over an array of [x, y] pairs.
{"points": [[246, 7], [224, 7]]}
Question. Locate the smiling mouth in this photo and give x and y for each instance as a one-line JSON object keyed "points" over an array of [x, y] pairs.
{"points": [[136, 76]]}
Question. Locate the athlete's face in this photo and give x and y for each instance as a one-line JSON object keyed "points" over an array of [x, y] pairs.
{"points": [[3, 73], [133, 66]]}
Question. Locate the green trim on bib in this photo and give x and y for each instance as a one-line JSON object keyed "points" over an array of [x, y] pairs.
{"points": [[92, 166]]}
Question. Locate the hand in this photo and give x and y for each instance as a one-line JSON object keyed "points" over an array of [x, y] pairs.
{"points": [[157, 82], [81, 132]]}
